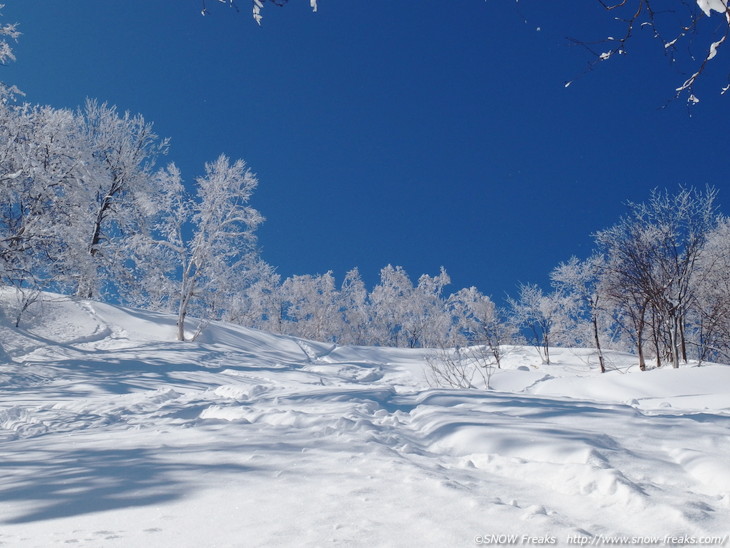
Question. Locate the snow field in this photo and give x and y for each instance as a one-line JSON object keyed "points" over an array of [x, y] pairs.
{"points": [[112, 434]]}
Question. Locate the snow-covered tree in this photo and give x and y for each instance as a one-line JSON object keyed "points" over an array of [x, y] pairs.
{"points": [[710, 317], [652, 260], [123, 151], [44, 195], [214, 251], [153, 256], [8, 33], [387, 302], [312, 306], [354, 310], [652, 264], [260, 302], [404, 315], [20, 199], [426, 320], [579, 281], [542, 316], [476, 320]]}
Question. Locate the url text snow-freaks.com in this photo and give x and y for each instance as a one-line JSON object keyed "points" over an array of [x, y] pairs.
{"points": [[600, 540]]}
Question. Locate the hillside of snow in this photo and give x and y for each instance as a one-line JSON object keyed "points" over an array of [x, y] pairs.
{"points": [[114, 434]]}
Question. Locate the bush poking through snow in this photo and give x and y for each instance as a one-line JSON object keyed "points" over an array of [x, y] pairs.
{"points": [[469, 367]]}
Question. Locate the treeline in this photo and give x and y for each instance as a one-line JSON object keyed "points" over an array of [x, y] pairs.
{"points": [[396, 312], [85, 209], [657, 284]]}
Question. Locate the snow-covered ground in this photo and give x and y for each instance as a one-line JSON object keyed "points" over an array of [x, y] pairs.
{"points": [[113, 434]]}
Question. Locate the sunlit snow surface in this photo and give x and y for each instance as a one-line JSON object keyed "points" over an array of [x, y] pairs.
{"points": [[113, 434]]}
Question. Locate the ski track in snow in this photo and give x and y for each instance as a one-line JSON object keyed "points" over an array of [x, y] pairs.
{"points": [[112, 434]]}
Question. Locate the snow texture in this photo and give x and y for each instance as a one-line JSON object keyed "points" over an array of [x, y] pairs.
{"points": [[114, 434]]}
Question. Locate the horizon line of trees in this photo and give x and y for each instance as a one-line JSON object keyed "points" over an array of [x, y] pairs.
{"points": [[85, 210], [657, 284]]}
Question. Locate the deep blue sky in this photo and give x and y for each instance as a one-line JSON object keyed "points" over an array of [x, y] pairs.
{"points": [[406, 132]]}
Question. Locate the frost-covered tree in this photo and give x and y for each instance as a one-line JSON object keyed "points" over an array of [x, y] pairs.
{"points": [[312, 306], [214, 250], [623, 289], [426, 320], [43, 195], [20, 198], [710, 317], [404, 315], [259, 304], [123, 150], [652, 259], [154, 255], [387, 302], [200, 253], [8, 34], [8, 31], [353, 304], [579, 281], [476, 320], [541, 316]]}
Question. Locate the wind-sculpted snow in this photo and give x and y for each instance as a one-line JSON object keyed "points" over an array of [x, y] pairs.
{"points": [[114, 434]]}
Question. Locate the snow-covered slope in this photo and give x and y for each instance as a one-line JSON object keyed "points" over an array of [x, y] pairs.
{"points": [[114, 434]]}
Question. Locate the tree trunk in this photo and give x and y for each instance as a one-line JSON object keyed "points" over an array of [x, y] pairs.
{"points": [[640, 345], [682, 340], [546, 348], [674, 342], [185, 295], [655, 339], [85, 289], [598, 343], [182, 312]]}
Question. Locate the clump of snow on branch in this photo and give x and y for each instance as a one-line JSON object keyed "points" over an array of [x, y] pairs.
{"points": [[646, 15], [709, 6], [7, 30], [259, 4]]}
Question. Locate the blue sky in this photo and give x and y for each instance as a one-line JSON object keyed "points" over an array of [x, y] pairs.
{"points": [[412, 133]]}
